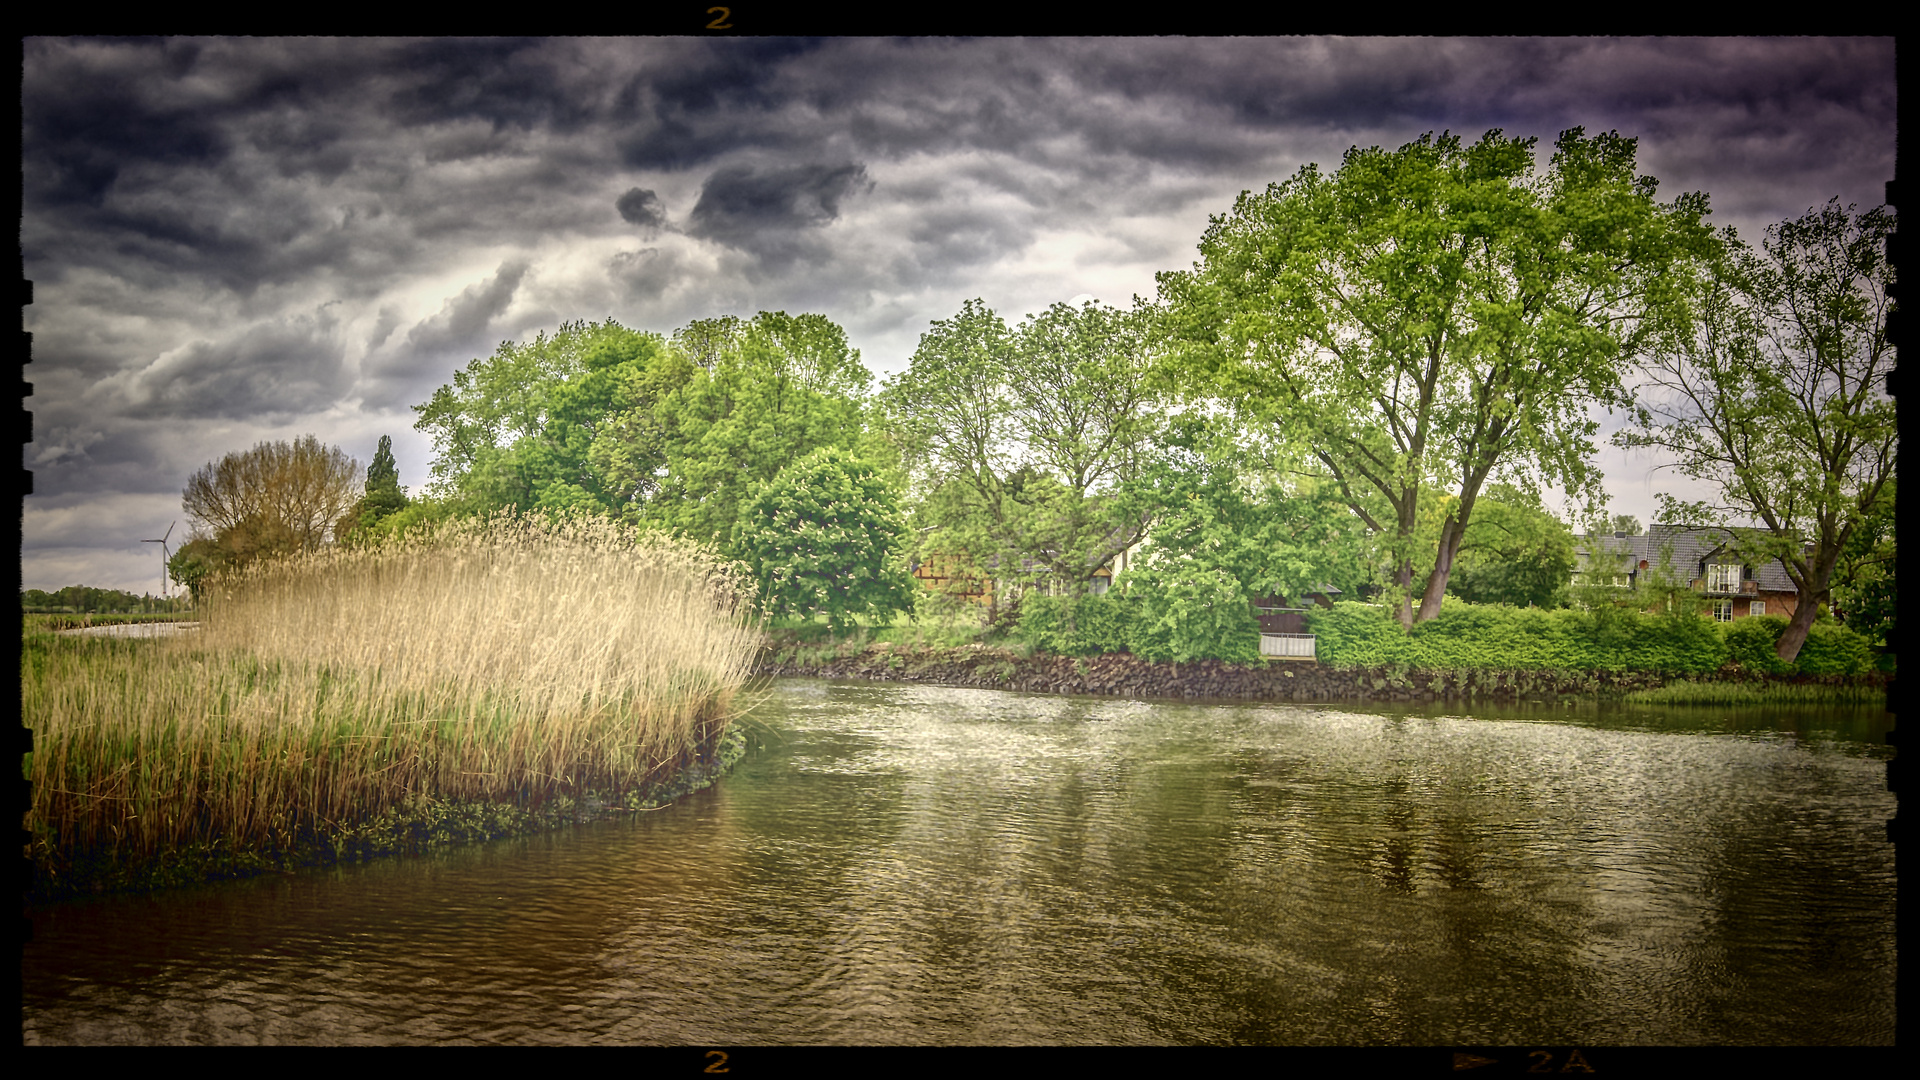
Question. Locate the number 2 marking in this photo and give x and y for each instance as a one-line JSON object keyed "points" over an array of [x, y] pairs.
{"points": [[720, 23], [721, 1065]]}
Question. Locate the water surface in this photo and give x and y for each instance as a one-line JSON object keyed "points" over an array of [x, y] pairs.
{"points": [[920, 865]]}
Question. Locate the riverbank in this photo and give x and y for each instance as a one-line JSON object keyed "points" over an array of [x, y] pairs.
{"points": [[1123, 675], [420, 825]]}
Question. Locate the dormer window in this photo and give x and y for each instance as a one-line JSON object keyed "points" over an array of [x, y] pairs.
{"points": [[1723, 578]]}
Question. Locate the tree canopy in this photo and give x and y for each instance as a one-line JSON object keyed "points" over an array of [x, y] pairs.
{"points": [[1025, 444], [1515, 552], [1431, 318], [1770, 385], [826, 535], [276, 496]]}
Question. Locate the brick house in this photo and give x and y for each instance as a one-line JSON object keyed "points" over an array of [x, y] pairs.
{"points": [[1700, 557]]}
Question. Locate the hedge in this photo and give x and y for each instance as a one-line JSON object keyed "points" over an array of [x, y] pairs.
{"points": [[1462, 636], [1496, 636]]}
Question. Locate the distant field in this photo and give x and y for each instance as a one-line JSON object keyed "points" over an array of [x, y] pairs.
{"points": [[47, 624]]}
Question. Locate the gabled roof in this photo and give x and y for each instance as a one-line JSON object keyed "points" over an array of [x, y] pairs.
{"points": [[1692, 549]]}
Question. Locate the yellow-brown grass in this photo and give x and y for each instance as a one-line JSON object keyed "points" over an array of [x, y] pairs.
{"points": [[498, 660]]}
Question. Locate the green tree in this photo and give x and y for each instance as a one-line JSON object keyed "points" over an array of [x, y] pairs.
{"points": [[777, 388], [1864, 593], [1771, 388], [827, 535], [517, 430], [1424, 317], [1027, 446], [384, 496], [1514, 552], [1223, 508]]}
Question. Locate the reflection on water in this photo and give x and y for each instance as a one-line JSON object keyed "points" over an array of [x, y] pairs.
{"points": [[917, 865]]}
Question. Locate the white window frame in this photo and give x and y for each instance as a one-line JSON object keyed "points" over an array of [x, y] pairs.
{"points": [[1718, 579], [1723, 611], [1758, 607]]}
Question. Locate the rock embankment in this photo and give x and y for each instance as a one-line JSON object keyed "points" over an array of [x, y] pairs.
{"points": [[1129, 676]]}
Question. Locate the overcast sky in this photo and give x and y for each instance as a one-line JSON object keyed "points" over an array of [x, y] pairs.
{"points": [[242, 239]]}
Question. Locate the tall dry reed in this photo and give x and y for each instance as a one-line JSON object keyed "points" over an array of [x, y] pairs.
{"points": [[506, 659]]}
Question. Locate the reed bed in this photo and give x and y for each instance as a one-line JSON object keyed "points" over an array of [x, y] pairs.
{"points": [[506, 660], [1761, 693]]}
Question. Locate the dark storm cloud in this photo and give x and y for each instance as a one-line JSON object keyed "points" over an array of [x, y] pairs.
{"points": [[641, 207], [173, 188], [740, 205], [465, 318], [645, 274], [280, 367]]}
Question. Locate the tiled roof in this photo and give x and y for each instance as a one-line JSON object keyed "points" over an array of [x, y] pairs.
{"points": [[1691, 549]]}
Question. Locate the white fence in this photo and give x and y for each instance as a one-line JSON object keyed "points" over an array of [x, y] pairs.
{"points": [[1287, 645]]}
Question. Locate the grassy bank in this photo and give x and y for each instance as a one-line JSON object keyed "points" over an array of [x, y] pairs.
{"points": [[375, 693], [1739, 691]]}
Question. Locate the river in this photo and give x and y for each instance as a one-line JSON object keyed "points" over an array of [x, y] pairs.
{"points": [[910, 865]]}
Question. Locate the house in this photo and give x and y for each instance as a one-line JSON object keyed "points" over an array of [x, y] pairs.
{"points": [[1702, 558]]}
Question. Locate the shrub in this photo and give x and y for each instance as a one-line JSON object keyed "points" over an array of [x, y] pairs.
{"points": [[1752, 643], [1187, 613], [1833, 649], [1083, 625], [1496, 636]]}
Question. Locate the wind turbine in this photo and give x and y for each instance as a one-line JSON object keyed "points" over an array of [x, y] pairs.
{"points": [[164, 557]]}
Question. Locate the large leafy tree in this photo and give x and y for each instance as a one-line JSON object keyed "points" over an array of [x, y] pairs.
{"points": [[518, 429], [759, 396], [1027, 445], [278, 496], [1427, 319], [1515, 552], [1772, 389], [827, 535]]}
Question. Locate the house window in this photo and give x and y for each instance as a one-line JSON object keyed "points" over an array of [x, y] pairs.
{"points": [[1759, 608], [1724, 578], [1723, 610]]}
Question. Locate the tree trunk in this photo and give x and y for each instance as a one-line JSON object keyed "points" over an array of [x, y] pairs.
{"points": [[1451, 533], [1795, 635], [1403, 611], [1814, 591]]}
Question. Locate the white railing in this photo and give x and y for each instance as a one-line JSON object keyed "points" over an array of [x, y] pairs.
{"points": [[1287, 645]]}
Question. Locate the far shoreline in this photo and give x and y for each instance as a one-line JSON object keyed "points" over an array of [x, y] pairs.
{"points": [[1298, 681]]}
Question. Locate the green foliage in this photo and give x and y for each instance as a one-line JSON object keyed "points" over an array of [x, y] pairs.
{"points": [[384, 497], [777, 388], [87, 599], [1218, 509], [1078, 625], [1025, 444], [1188, 612], [1496, 636], [1429, 317], [517, 430], [1833, 649], [1864, 593], [1513, 552], [826, 535], [1751, 643]]}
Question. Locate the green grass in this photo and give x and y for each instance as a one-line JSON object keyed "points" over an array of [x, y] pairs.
{"points": [[48, 623], [1750, 693]]}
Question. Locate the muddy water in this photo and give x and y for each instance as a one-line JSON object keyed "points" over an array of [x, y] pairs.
{"points": [[915, 865]]}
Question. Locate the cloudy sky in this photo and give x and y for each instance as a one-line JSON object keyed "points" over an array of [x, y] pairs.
{"points": [[242, 239]]}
